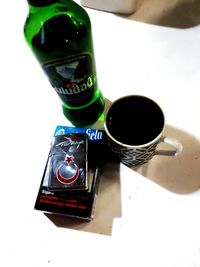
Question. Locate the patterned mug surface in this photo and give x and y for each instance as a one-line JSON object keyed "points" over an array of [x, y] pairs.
{"points": [[132, 156]]}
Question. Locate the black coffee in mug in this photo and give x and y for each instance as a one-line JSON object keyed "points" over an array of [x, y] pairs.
{"points": [[134, 120]]}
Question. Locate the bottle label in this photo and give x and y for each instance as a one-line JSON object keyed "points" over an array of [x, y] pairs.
{"points": [[73, 78]]}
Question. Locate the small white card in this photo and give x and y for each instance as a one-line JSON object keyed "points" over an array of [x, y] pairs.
{"points": [[116, 6]]}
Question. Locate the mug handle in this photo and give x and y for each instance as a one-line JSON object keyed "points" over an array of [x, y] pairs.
{"points": [[171, 142]]}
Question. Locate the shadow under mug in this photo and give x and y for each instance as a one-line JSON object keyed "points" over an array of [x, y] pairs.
{"points": [[134, 125]]}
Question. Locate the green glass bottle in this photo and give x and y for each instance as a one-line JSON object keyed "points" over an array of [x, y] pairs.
{"points": [[59, 34]]}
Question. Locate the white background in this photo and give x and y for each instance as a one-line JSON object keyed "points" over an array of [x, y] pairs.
{"points": [[148, 217]]}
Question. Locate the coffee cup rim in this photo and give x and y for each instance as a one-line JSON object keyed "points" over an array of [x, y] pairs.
{"points": [[127, 145]]}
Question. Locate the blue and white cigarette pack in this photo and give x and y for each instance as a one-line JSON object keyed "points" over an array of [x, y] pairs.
{"points": [[64, 200]]}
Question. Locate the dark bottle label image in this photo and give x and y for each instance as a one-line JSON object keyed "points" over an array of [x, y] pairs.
{"points": [[72, 78]]}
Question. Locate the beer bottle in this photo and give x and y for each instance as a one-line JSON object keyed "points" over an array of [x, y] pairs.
{"points": [[59, 34]]}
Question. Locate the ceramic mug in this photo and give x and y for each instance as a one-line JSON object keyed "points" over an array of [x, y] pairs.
{"points": [[134, 126]]}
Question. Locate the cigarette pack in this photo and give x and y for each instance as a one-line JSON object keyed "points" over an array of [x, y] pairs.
{"points": [[72, 173]]}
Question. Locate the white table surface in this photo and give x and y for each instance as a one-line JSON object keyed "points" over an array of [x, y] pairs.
{"points": [[147, 217]]}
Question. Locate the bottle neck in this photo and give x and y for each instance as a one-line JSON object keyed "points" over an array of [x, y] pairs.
{"points": [[41, 3]]}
